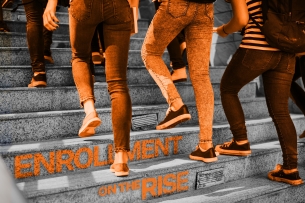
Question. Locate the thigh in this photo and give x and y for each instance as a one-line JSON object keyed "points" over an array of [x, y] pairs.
{"points": [[169, 20]]}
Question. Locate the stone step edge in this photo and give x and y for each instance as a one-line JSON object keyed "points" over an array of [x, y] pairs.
{"points": [[106, 110], [108, 137], [253, 189], [175, 164]]}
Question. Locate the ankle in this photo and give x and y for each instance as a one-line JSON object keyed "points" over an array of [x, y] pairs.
{"points": [[89, 106], [205, 146], [241, 142], [176, 105], [121, 157], [287, 171]]}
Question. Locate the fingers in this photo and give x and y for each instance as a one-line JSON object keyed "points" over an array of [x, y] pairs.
{"points": [[50, 21]]}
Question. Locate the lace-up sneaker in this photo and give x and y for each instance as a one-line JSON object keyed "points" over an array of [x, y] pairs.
{"points": [[173, 118], [207, 156], [39, 79], [3, 27], [232, 148], [120, 169], [90, 122], [278, 175]]}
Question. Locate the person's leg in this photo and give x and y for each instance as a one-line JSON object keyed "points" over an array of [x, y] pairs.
{"points": [[165, 26], [117, 28], [3, 26], [82, 27], [277, 84], [34, 12], [242, 69], [199, 38], [47, 41]]}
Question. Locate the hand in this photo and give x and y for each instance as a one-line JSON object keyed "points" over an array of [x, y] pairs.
{"points": [[220, 31], [50, 21]]}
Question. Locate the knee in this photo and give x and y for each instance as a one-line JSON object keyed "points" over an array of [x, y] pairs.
{"points": [[117, 86]]}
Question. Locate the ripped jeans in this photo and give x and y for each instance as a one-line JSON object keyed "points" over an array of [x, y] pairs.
{"points": [[197, 21]]}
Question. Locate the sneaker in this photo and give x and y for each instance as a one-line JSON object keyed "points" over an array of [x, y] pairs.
{"points": [[90, 122], [302, 135], [7, 4], [179, 75], [207, 156], [97, 58], [278, 175], [232, 148], [39, 79], [48, 59], [3, 27], [120, 169], [173, 118]]}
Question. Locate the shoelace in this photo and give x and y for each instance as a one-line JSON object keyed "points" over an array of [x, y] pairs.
{"points": [[227, 144]]}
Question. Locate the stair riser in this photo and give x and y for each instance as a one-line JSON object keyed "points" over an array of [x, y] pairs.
{"points": [[59, 125], [183, 177], [62, 56], [19, 40], [20, 76], [142, 148], [25, 100]]}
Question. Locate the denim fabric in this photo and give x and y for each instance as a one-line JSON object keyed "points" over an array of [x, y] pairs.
{"points": [[39, 39], [116, 15], [197, 21], [173, 48], [297, 92], [277, 69]]}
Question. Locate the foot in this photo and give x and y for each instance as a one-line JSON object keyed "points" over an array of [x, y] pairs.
{"points": [[91, 121], [179, 75], [205, 156], [39, 79], [302, 135], [97, 58], [280, 176], [3, 27], [173, 118], [120, 169], [48, 59], [232, 148]]}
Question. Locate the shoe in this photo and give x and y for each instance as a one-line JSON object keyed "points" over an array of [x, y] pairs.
{"points": [[97, 58], [48, 59], [90, 122], [173, 118], [7, 4], [39, 79], [278, 175], [179, 75], [302, 135], [120, 169], [232, 148], [3, 27], [207, 156]]}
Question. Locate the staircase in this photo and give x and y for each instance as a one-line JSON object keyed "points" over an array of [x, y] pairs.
{"points": [[40, 146]]}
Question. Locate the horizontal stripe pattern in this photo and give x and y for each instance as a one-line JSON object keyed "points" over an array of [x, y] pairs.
{"points": [[253, 37]]}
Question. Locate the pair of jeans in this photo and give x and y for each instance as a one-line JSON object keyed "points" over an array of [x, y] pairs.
{"points": [[197, 21], [116, 16], [39, 39], [297, 93], [277, 69], [173, 47]]}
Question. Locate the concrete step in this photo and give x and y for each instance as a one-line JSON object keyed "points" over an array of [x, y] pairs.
{"points": [[253, 189], [20, 75], [50, 125], [145, 145], [12, 56], [66, 98], [63, 17], [151, 179], [14, 39]]}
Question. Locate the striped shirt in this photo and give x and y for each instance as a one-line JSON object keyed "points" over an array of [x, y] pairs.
{"points": [[253, 37]]}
